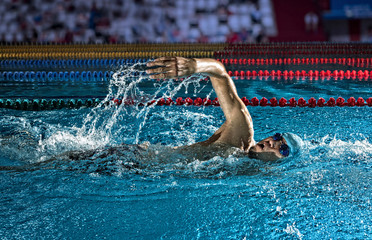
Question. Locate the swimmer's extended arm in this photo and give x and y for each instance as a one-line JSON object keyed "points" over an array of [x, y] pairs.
{"points": [[238, 120], [224, 86], [169, 67]]}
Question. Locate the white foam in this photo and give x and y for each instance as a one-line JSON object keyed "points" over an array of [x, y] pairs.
{"points": [[292, 230], [337, 148]]}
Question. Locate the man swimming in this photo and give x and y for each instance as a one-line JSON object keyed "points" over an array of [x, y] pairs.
{"points": [[237, 131]]}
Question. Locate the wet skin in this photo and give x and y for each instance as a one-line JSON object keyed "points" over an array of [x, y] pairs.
{"points": [[237, 131], [267, 149]]}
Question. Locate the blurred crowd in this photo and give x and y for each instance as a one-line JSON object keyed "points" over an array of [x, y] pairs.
{"points": [[103, 21]]}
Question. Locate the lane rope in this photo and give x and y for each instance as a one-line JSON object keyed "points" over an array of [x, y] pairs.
{"points": [[43, 76], [68, 63], [105, 63], [358, 62], [140, 50], [311, 74], [75, 103]]}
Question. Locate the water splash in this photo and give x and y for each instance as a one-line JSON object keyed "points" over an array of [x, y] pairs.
{"points": [[332, 147], [292, 230], [102, 125]]}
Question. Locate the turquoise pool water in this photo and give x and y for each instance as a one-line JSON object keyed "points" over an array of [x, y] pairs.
{"points": [[74, 173]]}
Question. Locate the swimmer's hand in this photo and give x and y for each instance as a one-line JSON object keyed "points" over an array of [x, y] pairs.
{"points": [[171, 67]]}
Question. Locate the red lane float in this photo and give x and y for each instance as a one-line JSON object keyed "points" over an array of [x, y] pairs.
{"points": [[358, 62], [295, 49], [311, 74], [291, 52], [263, 102], [298, 46]]}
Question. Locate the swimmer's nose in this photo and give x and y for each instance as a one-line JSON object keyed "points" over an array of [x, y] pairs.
{"points": [[267, 144], [271, 143], [274, 144]]}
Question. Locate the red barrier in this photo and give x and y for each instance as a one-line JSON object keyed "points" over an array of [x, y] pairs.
{"points": [[338, 49], [357, 62], [263, 102], [312, 75]]}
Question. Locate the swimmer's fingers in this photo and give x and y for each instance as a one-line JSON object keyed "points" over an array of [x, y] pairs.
{"points": [[169, 71], [163, 75], [163, 61], [157, 70], [168, 67]]}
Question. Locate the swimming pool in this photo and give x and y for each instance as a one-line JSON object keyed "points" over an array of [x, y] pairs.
{"points": [[70, 173]]}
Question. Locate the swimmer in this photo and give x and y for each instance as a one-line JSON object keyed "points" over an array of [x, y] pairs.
{"points": [[237, 131]]}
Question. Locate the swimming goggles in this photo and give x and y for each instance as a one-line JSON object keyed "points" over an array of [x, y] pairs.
{"points": [[284, 149]]}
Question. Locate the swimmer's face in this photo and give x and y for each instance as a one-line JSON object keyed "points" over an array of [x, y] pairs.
{"points": [[267, 149]]}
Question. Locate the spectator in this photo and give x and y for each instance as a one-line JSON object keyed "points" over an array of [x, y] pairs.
{"points": [[130, 21], [311, 22], [194, 33], [244, 35], [223, 31], [369, 34], [233, 37], [203, 39]]}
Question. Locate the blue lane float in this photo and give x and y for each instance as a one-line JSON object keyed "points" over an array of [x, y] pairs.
{"points": [[68, 63], [41, 76]]}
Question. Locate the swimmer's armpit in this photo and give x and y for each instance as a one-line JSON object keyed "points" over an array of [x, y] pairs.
{"points": [[170, 67]]}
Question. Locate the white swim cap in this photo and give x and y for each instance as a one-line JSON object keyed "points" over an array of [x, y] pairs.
{"points": [[294, 142]]}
